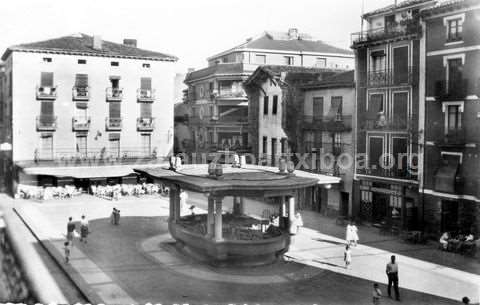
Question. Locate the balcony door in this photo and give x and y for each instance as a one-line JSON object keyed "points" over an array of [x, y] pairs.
{"points": [[400, 154], [47, 117], [400, 110], [317, 108], [375, 152], [400, 65], [455, 68], [46, 147], [114, 145], [146, 140]]}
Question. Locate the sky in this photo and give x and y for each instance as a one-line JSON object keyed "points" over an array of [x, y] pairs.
{"points": [[191, 30]]}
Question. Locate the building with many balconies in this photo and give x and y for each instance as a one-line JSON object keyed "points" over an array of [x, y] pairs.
{"points": [[219, 104], [388, 70], [451, 181], [81, 101]]}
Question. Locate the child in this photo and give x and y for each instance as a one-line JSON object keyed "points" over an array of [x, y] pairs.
{"points": [[66, 248], [377, 294], [347, 257]]}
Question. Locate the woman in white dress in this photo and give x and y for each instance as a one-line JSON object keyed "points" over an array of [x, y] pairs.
{"points": [[348, 234], [355, 238]]}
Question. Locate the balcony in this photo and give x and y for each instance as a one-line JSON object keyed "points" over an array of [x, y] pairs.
{"points": [[312, 121], [395, 31], [113, 124], [378, 121], [114, 94], [145, 124], [341, 123], [388, 77], [145, 95], [406, 174], [46, 123], [81, 93], [46, 93], [81, 123], [452, 90]]}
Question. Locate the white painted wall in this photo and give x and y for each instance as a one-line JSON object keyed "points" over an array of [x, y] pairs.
{"points": [[27, 68]]}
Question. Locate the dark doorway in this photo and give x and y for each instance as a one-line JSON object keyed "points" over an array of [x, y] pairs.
{"points": [[449, 215], [344, 196], [380, 207]]}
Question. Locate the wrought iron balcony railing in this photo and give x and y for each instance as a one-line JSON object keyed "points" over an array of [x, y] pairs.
{"points": [[378, 121], [46, 123], [114, 94], [393, 31], [145, 124], [81, 123], [145, 95], [390, 77], [81, 93], [46, 92], [407, 174], [112, 124]]}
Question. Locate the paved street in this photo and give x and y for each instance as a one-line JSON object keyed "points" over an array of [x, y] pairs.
{"points": [[136, 263]]}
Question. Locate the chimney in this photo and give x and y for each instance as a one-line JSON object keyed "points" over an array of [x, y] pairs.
{"points": [[293, 33], [130, 42], [97, 42]]}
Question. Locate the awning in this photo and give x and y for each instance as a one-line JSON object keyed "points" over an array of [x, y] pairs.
{"points": [[81, 172], [445, 177]]}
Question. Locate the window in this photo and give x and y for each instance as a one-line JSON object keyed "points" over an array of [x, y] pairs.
{"points": [[114, 144], [46, 146], [46, 79], [260, 59], [375, 152], [454, 30], [399, 152], [47, 117], [288, 60], [336, 108], [318, 108], [375, 103], [265, 105], [321, 62], [82, 144], [146, 66], [146, 143], [47, 59], [454, 118], [274, 104], [455, 76], [400, 109], [377, 60], [264, 145], [400, 65], [145, 110], [114, 64], [10, 84], [114, 110], [274, 148], [82, 61], [146, 84]]}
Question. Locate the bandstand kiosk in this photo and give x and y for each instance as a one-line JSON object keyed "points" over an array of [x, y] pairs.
{"points": [[234, 237]]}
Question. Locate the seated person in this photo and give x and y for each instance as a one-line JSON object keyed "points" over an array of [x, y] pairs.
{"points": [[444, 240]]}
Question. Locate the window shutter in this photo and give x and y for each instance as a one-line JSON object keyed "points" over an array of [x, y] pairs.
{"points": [[145, 110], [146, 83], [318, 107], [46, 109], [81, 80], [46, 79], [114, 110]]}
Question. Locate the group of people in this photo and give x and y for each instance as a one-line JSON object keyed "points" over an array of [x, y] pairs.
{"points": [[72, 233], [119, 190], [459, 243], [47, 193], [115, 217]]}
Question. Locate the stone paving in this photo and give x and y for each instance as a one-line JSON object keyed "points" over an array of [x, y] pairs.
{"points": [[117, 265]]}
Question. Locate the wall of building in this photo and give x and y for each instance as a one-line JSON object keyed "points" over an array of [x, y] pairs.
{"points": [[273, 57], [27, 68]]}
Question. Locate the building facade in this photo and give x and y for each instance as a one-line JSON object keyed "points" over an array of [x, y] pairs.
{"points": [[452, 117], [286, 120], [81, 101], [388, 63], [220, 105]]}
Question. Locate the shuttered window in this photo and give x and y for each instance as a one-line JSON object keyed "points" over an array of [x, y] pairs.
{"points": [[145, 110], [400, 109], [146, 83], [46, 147], [375, 103], [146, 144], [318, 108], [82, 144], [114, 110], [46, 79], [81, 80], [46, 108], [114, 144]]}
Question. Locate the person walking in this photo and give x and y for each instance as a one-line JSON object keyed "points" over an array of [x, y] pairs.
{"points": [[83, 229], [66, 248], [354, 233], [348, 234], [392, 274], [298, 222], [70, 230], [347, 256], [376, 294]]}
